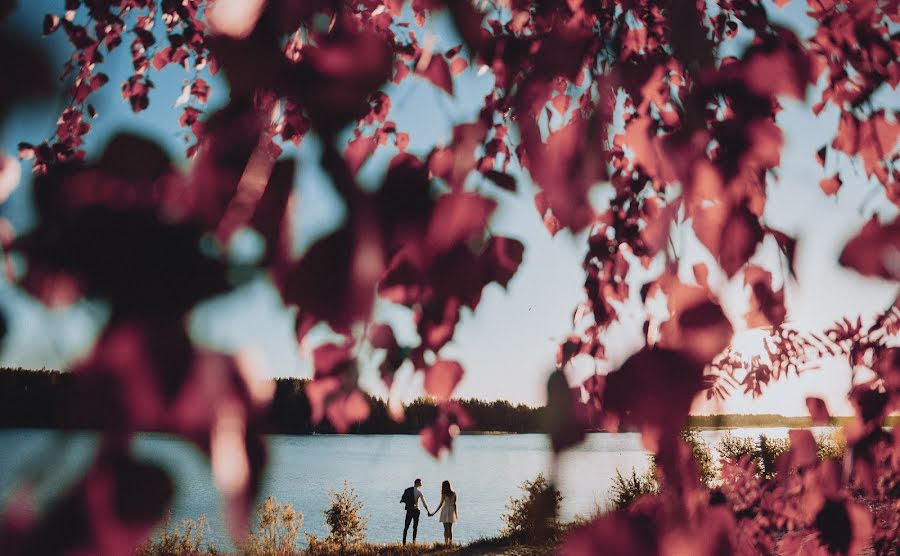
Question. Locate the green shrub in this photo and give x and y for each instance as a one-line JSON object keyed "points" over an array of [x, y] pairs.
{"points": [[183, 538], [532, 519], [277, 529], [344, 517], [626, 489]]}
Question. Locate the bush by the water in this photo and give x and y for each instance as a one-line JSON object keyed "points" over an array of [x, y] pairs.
{"points": [[765, 451], [182, 538], [830, 445], [706, 467], [344, 517], [533, 518], [625, 489], [277, 530]]}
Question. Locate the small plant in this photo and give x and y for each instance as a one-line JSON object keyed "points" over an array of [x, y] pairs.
{"points": [[532, 519], [706, 467], [344, 517], [626, 489], [770, 449], [278, 527], [830, 445], [733, 448], [183, 538]]}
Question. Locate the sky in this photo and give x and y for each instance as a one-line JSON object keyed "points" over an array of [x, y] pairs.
{"points": [[508, 344]]}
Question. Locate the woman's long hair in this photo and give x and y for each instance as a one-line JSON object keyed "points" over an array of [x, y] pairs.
{"points": [[446, 489]]}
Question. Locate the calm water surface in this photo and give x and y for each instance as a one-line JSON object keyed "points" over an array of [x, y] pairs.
{"points": [[485, 471]]}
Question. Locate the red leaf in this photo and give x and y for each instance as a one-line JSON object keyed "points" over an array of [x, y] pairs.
{"points": [[731, 236], [831, 185], [402, 141], [457, 217], [458, 65], [788, 246], [614, 533], [766, 305], [441, 378], [382, 337], [843, 527], [653, 389], [821, 154], [803, 451], [335, 280], [635, 41], [871, 139], [162, 58], [818, 410], [781, 68], [696, 326], [234, 18], [454, 163], [51, 24], [358, 151], [875, 250], [200, 90], [552, 224], [500, 259], [565, 167], [658, 224], [189, 116], [501, 180], [701, 275], [450, 420], [436, 322], [438, 72], [119, 502], [565, 416], [561, 103]]}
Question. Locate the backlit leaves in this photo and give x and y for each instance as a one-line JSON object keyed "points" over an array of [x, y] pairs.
{"points": [[636, 97], [875, 251]]}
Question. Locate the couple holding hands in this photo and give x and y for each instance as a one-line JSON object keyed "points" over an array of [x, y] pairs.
{"points": [[410, 499]]}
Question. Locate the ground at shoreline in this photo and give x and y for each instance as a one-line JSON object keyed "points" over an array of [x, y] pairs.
{"points": [[485, 547]]}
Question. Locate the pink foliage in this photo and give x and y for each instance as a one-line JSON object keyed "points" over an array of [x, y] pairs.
{"points": [[633, 94]]}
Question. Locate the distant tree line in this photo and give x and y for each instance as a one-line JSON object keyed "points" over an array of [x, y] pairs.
{"points": [[41, 399]]}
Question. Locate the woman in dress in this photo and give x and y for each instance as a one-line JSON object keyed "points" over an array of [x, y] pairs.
{"points": [[447, 508]]}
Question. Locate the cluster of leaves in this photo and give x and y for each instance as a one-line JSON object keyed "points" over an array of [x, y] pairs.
{"points": [[802, 502], [636, 94], [770, 486]]}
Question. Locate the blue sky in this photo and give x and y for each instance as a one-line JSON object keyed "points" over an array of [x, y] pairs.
{"points": [[508, 344]]}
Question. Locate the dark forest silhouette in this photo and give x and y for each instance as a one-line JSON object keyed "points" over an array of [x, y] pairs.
{"points": [[38, 399]]}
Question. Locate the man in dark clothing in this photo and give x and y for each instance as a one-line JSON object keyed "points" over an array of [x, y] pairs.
{"points": [[411, 497]]}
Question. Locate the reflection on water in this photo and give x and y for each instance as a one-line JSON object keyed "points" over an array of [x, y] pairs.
{"points": [[485, 471]]}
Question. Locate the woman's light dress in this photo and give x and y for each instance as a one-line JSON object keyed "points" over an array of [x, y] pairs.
{"points": [[448, 512]]}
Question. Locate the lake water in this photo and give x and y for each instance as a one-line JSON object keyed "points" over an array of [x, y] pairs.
{"points": [[485, 471]]}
